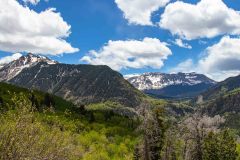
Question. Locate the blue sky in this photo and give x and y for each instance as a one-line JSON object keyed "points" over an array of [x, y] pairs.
{"points": [[95, 22]]}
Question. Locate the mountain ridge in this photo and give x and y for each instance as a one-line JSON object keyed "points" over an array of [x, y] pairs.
{"points": [[81, 84], [175, 85], [222, 88]]}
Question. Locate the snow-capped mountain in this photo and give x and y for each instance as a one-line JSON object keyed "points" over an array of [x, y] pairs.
{"points": [[148, 81], [13, 68], [171, 84]]}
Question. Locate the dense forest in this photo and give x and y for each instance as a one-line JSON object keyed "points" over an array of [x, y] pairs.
{"points": [[35, 125]]}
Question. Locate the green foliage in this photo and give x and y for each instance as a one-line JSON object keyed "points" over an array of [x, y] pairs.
{"points": [[158, 133], [176, 109], [219, 146], [233, 92], [23, 137], [39, 99], [60, 130], [36, 125], [238, 151], [153, 128]]}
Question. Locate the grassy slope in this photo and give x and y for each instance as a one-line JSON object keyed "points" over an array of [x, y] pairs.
{"points": [[99, 134]]}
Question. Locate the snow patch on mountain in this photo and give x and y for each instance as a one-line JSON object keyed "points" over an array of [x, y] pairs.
{"points": [[15, 67], [149, 81]]}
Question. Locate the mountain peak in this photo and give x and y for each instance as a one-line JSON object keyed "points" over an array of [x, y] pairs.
{"points": [[13, 68], [31, 58]]}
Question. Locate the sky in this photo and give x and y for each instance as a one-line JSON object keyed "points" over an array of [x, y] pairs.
{"points": [[130, 36]]}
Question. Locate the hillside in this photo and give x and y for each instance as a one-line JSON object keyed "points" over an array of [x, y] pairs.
{"points": [[81, 84], [224, 99], [227, 103], [222, 88], [56, 127]]}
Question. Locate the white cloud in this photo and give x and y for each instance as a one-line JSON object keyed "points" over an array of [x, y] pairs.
{"points": [[180, 43], [33, 2], [222, 57], [149, 52], [222, 75], [206, 19], [127, 76], [139, 11], [186, 66], [11, 58], [221, 61], [24, 30]]}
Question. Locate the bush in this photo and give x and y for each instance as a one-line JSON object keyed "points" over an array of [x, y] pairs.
{"points": [[23, 137]]}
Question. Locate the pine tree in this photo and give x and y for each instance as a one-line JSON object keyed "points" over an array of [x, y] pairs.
{"points": [[219, 146], [34, 101], [211, 147], [154, 129], [1, 101], [48, 100], [227, 146]]}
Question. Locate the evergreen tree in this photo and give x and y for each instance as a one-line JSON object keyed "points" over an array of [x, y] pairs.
{"points": [[1, 101], [157, 135], [154, 129], [219, 146], [48, 100], [1, 104], [92, 117], [211, 147], [227, 146], [82, 109], [34, 102]]}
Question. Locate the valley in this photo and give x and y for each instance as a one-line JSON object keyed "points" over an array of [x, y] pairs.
{"points": [[92, 112], [119, 80]]}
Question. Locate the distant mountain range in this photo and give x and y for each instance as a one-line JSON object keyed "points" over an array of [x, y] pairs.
{"points": [[80, 84], [180, 85], [90, 84]]}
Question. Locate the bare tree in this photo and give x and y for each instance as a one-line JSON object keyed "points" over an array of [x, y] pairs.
{"points": [[193, 130]]}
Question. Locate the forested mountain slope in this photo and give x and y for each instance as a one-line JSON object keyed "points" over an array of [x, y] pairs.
{"points": [[81, 84]]}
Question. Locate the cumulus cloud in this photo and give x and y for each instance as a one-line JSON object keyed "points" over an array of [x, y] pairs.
{"points": [[34, 2], [8, 59], [222, 57], [150, 52], [139, 11], [24, 30], [186, 66], [180, 43], [222, 75], [220, 62], [206, 19]]}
